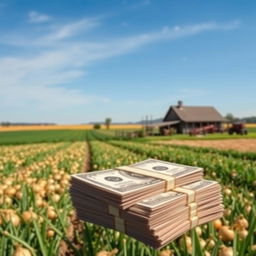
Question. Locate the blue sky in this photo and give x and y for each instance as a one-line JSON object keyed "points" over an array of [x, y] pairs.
{"points": [[81, 61]]}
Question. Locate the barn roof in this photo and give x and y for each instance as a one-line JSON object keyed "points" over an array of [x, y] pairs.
{"points": [[162, 124], [196, 114]]}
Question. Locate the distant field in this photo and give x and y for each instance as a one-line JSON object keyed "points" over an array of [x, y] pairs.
{"points": [[39, 217], [215, 136], [251, 129], [10, 136], [26, 137], [243, 145], [250, 125], [66, 127], [38, 136]]}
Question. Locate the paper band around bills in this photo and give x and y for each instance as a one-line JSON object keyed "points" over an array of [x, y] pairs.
{"points": [[119, 224], [192, 210], [169, 185], [113, 210], [169, 180], [191, 195], [193, 222]]}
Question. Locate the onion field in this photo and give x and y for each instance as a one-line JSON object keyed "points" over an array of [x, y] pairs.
{"points": [[37, 216]]}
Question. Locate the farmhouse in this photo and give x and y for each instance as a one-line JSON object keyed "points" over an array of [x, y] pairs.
{"points": [[185, 118]]}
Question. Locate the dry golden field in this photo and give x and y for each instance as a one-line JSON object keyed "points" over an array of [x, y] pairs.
{"points": [[243, 145], [251, 125], [66, 127], [246, 125], [76, 127]]}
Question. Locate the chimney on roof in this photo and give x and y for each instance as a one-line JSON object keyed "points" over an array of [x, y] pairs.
{"points": [[180, 104]]}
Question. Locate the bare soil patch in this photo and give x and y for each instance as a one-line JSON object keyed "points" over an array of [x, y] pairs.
{"points": [[243, 145]]}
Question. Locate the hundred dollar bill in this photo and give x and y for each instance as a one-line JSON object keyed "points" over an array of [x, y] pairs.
{"points": [[121, 182], [173, 169], [153, 219], [116, 181], [127, 185], [160, 199], [202, 184]]}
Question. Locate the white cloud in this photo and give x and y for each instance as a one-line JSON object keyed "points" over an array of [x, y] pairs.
{"points": [[35, 17], [46, 97], [176, 28], [55, 34], [72, 29], [60, 58]]}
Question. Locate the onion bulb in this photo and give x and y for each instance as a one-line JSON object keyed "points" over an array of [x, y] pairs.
{"points": [[166, 252], [28, 216], [243, 234], [226, 234], [20, 251], [217, 224], [51, 214], [227, 191], [50, 233], [206, 253], [226, 251], [198, 231], [241, 223], [211, 243], [13, 218]]}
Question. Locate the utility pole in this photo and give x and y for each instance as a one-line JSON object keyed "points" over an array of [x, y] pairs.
{"points": [[142, 123], [146, 124]]}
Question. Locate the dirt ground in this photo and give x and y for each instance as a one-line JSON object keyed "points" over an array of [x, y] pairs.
{"points": [[236, 144]]}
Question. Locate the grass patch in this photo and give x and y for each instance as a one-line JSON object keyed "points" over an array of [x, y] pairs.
{"points": [[216, 136], [27, 137]]}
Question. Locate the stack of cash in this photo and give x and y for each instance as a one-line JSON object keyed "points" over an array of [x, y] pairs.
{"points": [[150, 209], [126, 185]]}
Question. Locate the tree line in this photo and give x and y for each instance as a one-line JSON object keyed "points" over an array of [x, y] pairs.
{"points": [[230, 117]]}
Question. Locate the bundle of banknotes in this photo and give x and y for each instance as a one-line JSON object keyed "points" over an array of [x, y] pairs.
{"points": [[153, 201]]}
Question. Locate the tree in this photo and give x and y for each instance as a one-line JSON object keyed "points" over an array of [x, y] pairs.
{"points": [[96, 126], [108, 122], [251, 119], [231, 118], [6, 124]]}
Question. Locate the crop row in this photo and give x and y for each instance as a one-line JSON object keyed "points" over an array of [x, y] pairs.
{"points": [[228, 153], [40, 136], [37, 217], [105, 156], [229, 170], [239, 207], [36, 212], [19, 159]]}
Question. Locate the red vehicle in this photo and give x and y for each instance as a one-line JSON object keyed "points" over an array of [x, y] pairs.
{"points": [[203, 130], [238, 128]]}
